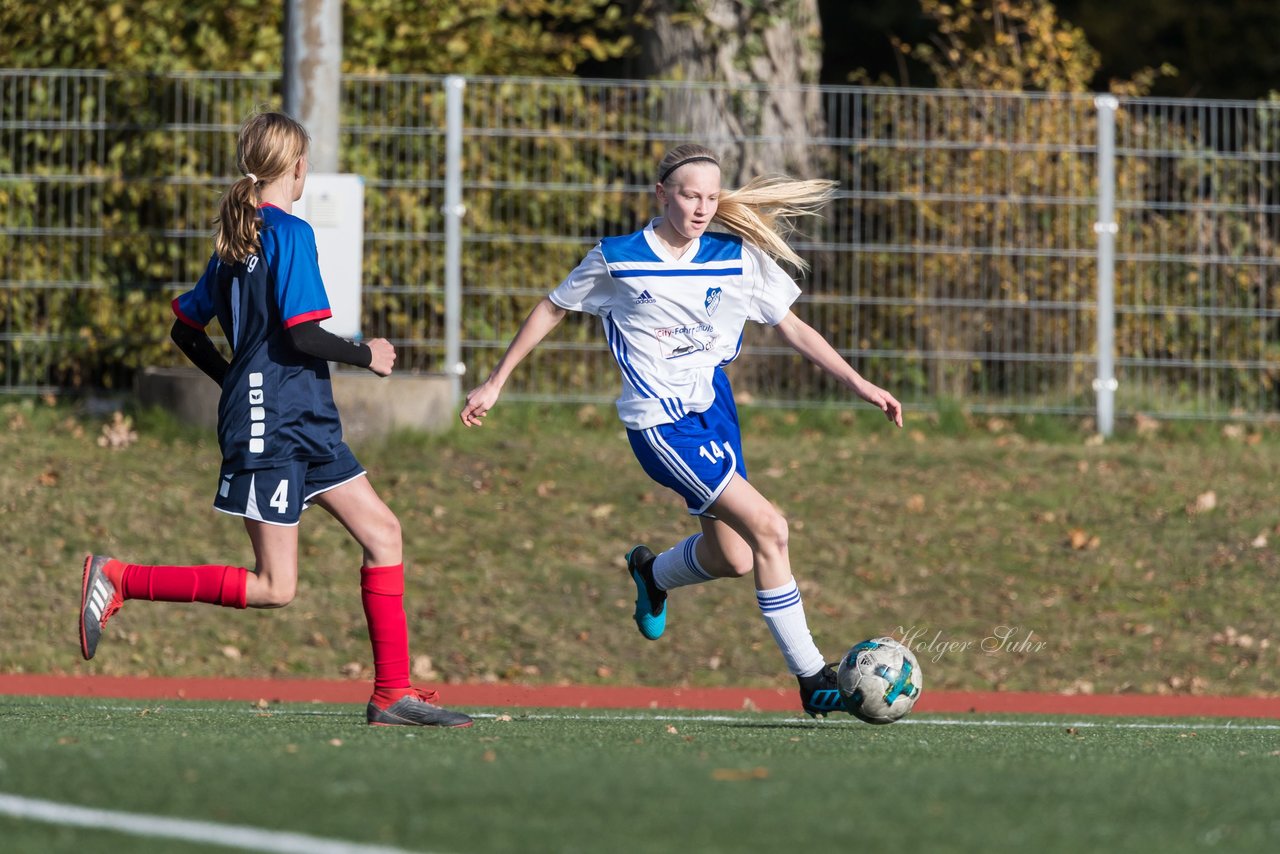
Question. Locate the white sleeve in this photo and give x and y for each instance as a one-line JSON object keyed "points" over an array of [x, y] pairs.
{"points": [[588, 288], [772, 290]]}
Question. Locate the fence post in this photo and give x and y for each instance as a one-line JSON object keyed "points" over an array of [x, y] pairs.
{"points": [[454, 86], [1104, 384]]}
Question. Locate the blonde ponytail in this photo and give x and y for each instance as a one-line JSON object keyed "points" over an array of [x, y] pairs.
{"points": [[761, 212], [268, 148], [237, 235]]}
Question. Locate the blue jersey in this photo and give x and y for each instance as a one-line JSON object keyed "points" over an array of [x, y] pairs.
{"points": [[277, 402]]}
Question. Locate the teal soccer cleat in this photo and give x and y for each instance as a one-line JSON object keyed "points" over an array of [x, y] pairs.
{"points": [[820, 693], [651, 601]]}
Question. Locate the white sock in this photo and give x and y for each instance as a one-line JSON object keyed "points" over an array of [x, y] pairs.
{"points": [[784, 614], [678, 566]]}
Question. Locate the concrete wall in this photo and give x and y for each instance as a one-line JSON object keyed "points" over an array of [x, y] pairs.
{"points": [[371, 406]]}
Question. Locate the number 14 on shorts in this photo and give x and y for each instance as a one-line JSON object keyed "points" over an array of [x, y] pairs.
{"points": [[711, 451]]}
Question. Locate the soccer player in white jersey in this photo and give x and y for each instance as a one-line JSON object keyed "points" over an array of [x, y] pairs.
{"points": [[673, 299]]}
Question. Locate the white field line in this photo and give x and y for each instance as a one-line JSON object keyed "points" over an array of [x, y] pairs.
{"points": [[1166, 724], [805, 722], [203, 832]]}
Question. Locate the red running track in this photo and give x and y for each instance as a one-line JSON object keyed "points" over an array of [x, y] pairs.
{"points": [[504, 695]]}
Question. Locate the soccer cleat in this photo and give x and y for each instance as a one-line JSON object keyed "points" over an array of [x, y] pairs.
{"points": [[416, 709], [651, 601], [820, 693], [99, 599]]}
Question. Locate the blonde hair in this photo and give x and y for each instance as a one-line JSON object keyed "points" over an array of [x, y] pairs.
{"points": [[761, 211], [269, 146]]}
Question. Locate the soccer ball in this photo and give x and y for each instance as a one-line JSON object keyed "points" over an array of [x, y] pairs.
{"points": [[880, 680]]}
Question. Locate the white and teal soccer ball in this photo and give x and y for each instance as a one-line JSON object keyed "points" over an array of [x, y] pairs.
{"points": [[879, 680]]}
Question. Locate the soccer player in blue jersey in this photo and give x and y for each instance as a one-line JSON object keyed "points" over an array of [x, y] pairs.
{"points": [[278, 428], [674, 298]]}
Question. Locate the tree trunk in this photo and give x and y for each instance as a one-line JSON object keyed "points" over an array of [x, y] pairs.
{"points": [[774, 44]]}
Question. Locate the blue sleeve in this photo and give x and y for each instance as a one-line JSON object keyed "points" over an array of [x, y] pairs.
{"points": [[195, 307], [290, 247]]}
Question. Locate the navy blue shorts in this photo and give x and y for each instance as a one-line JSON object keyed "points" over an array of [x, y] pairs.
{"points": [[278, 496], [698, 455]]}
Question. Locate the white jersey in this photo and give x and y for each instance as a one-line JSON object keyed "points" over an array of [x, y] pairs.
{"points": [[670, 322]]}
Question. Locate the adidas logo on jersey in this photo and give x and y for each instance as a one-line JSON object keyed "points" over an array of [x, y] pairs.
{"points": [[645, 298]]}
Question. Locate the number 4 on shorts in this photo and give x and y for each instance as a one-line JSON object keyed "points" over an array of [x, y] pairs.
{"points": [[280, 498]]}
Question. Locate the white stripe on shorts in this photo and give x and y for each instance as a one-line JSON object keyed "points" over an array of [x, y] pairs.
{"points": [[306, 502], [733, 469], [251, 507], [674, 464]]}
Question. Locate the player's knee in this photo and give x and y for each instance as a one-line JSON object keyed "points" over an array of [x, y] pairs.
{"points": [[280, 598], [278, 595], [390, 533], [772, 532], [384, 537]]}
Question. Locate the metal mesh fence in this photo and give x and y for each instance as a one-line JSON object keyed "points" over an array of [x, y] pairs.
{"points": [[959, 261], [1199, 219]]}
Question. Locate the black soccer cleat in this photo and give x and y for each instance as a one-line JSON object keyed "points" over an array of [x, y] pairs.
{"points": [[820, 693], [99, 600], [416, 709]]}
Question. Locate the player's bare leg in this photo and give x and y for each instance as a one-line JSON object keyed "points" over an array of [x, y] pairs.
{"points": [[764, 530], [367, 518], [274, 583], [722, 551]]}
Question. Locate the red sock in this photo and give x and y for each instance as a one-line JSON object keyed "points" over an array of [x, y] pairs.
{"points": [[382, 593], [216, 585]]}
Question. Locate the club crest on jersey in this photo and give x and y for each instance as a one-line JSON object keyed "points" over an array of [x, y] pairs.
{"points": [[645, 298], [712, 301]]}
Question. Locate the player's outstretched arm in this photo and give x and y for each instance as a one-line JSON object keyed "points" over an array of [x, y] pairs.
{"points": [[545, 316], [807, 341], [311, 338]]}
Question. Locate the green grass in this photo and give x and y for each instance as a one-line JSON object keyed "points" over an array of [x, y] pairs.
{"points": [[951, 528], [560, 781]]}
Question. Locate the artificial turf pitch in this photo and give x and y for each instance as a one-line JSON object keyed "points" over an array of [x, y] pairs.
{"points": [[566, 781]]}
